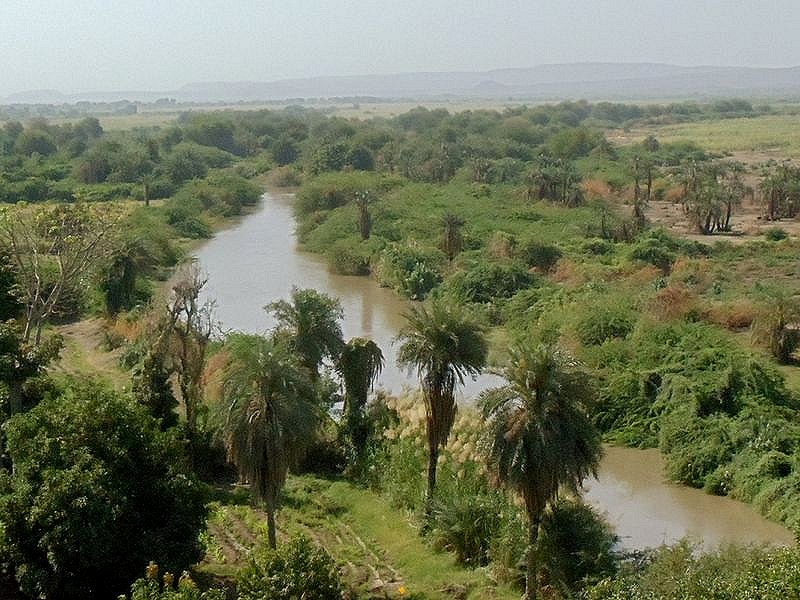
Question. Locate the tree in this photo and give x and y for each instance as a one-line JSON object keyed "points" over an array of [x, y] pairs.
{"points": [[52, 248], [271, 415], [191, 325], [452, 241], [540, 438], [554, 179], [311, 321], [97, 491], [710, 193], [359, 364], [444, 345]]}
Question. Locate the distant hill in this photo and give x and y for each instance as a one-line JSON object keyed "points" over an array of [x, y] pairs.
{"points": [[593, 81]]}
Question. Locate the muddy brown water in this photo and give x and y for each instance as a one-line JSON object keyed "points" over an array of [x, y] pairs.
{"points": [[257, 262]]}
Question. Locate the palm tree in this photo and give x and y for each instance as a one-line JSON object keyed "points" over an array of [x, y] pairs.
{"points": [[540, 438], [271, 415], [444, 345], [359, 364], [311, 321]]}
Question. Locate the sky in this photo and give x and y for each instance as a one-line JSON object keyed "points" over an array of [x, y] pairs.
{"points": [[124, 45]]}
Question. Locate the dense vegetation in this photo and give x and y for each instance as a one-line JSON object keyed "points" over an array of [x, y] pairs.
{"points": [[527, 224]]}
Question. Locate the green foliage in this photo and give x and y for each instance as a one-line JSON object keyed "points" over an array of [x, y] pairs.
{"points": [[349, 256], [333, 190], [97, 491], [466, 518], [412, 271], [540, 255], [775, 234], [729, 573], [311, 323], [486, 282], [576, 546], [601, 322], [149, 588], [298, 569]]}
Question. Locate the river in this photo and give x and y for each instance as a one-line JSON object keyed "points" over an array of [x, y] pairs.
{"points": [[258, 261]]}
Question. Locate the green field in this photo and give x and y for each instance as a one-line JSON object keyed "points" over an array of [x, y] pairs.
{"points": [[770, 136]]}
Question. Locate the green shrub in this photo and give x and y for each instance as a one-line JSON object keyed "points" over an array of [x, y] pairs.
{"points": [[297, 569], [465, 520], [540, 255], [485, 282], [348, 257], [577, 546], [97, 491], [603, 322], [150, 588], [332, 190], [730, 573], [410, 270], [775, 234]]}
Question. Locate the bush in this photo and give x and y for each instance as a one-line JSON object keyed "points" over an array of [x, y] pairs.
{"points": [[410, 270], [775, 234], [297, 569], [96, 492], [466, 521], [486, 282], [540, 255], [348, 257], [150, 588], [577, 546], [730, 573], [601, 323]]}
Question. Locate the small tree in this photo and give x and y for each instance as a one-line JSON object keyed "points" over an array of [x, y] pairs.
{"points": [[191, 326], [51, 248], [359, 364], [271, 415], [445, 345], [539, 436]]}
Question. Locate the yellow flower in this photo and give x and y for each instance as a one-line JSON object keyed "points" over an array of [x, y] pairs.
{"points": [[402, 590], [152, 570]]}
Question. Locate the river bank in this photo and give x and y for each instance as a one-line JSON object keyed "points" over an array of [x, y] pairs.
{"points": [[259, 261]]}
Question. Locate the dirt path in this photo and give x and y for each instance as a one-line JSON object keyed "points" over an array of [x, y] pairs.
{"points": [[84, 354]]}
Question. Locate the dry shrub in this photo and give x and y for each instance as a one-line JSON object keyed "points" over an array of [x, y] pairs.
{"points": [[213, 375], [285, 177], [643, 275], [692, 272], [568, 273], [596, 188], [735, 315], [673, 302], [127, 329], [674, 195], [501, 245]]}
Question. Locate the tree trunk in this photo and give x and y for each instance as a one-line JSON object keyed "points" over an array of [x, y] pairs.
{"points": [[532, 562], [273, 542], [433, 459]]}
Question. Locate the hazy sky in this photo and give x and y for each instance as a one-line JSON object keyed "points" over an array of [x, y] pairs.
{"points": [[86, 45]]}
